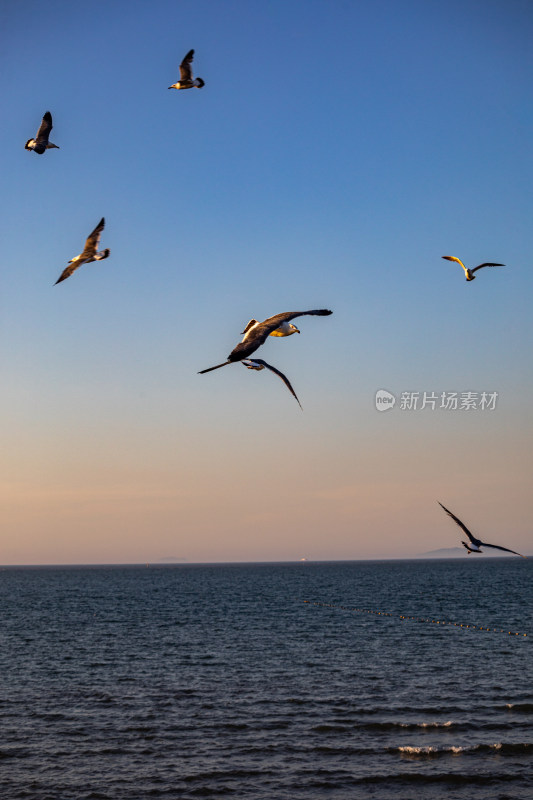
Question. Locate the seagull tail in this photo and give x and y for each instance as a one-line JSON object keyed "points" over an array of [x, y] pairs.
{"points": [[212, 368], [199, 83]]}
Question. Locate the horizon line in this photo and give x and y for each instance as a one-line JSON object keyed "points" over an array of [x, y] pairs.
{"points": [[302, 561]]}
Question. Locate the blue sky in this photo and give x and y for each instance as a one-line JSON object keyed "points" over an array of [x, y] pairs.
{"points": [[336, 152]]}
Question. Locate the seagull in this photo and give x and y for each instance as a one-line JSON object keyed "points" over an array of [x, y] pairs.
{"points": [[256, 334], [41, 143], [89, 253], [470, 272], [258, 363], [186, 80], [474, 544]]}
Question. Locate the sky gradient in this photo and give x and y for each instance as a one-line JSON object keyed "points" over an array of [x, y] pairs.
{"points": [[336, 152]]}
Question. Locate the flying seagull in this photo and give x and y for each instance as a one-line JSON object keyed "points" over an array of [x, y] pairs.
{"points": [[474, 544], [256, 334], [470, 272], [258, 363], [90, 253], [41, 143], [186, 80]]}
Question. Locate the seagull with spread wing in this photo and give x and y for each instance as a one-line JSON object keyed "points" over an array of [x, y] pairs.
{"points": [[256, 334], [186, 80], [470, 272], [90, 253], [258, 363], [474, 544], [41, 143]]}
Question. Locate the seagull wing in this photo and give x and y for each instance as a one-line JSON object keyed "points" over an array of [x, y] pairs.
{"points": [[44, 131], [498, 547], [210, 369], [453, 258], [271, 323], [249, 325], [185, 67], [67, 272], [91, 245], [279, 374], [488, 264], [462, 526], [258, 334]]}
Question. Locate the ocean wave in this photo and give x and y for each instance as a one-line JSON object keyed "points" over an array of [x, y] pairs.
{"points": [[341, 726], [423, 711], [516, 748], [427, 751], [328, 728], [503, 748], [441, 778], [449, 726], [521, 708], [413, 725], [350, 725]]}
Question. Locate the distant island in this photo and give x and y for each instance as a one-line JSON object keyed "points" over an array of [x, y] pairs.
{"points": [[444, 552], [170, 560]]}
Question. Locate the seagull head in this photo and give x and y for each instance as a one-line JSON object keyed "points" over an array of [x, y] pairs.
{"points": [[285, 329], [29, 144]]}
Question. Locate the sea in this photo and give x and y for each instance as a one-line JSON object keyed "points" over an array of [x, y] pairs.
{"points": [[308, 681]]}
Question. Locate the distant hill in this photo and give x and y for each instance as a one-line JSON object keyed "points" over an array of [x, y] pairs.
{"points": [[444, 552], [170, 560]]}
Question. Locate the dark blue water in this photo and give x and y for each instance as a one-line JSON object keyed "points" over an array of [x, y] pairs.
{"points": [[220, 681]]}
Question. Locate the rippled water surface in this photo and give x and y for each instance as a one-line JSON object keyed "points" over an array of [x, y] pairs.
{"points": [[222, 681]]}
